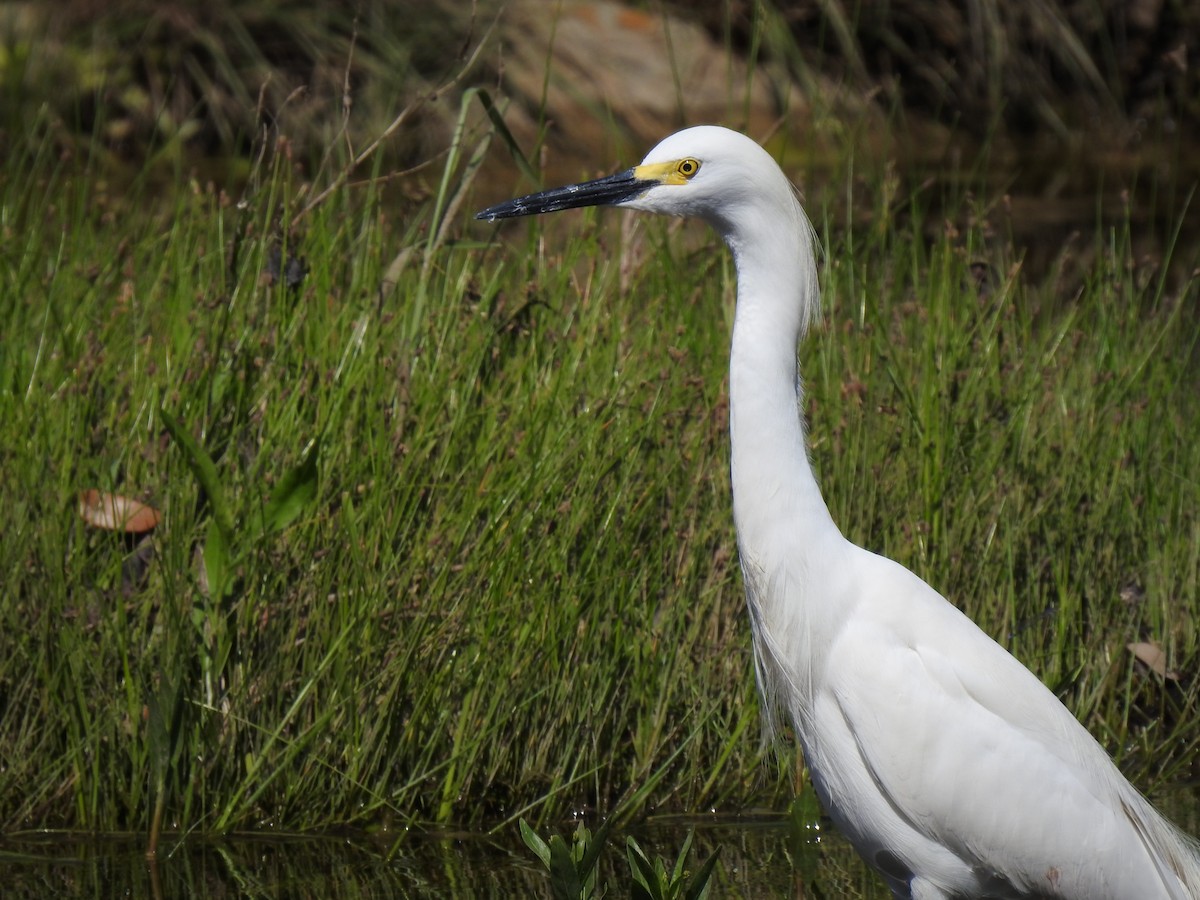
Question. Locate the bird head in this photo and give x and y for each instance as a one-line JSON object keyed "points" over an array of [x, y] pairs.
{"points": [[705, 172]]}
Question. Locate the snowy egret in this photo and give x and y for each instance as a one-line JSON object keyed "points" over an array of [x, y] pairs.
{"points": [[952, 769]]}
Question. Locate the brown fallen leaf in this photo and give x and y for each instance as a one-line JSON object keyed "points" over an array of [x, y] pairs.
{"points": [[116, 513], [1152, 656]]}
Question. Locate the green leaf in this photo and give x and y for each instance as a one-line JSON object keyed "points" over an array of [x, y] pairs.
{"points": [[697, 886], [205, 470], [296, 490], [564, 877], [595, 845], [646, 886], [162, 726], [216, 560], [681, 860], [535, 843]]}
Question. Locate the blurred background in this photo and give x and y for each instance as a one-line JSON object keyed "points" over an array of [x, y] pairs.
{"points": [[1063, 108], [1109, 80]]}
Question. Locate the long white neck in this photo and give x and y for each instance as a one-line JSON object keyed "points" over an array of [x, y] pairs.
{"points": [[777, 504]]}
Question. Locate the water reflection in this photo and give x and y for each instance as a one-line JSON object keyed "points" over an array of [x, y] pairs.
{"points": [[763, 857], [758, 858]]}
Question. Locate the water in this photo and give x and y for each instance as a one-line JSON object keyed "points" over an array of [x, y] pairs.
{"points": [[758, 858]]}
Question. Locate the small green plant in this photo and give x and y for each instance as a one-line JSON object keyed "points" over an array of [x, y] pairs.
{"points": [[573, 870], [224, 550], [652, 882]]}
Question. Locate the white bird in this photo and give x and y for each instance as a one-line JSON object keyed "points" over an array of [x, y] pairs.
{"points": [[950, 767]]}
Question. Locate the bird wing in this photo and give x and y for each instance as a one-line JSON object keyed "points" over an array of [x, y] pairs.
{"points": [[958, 746]]}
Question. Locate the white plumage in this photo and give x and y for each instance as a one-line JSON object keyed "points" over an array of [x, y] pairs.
{"points": [[948, 765]]}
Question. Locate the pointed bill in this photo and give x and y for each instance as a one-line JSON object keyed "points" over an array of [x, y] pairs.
{"points": [[602, 192]]}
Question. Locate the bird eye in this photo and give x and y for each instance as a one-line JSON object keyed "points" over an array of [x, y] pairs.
{"points": [[688, 167]]}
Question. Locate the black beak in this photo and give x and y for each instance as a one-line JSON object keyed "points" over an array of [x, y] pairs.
{"points": [[601, 192]]}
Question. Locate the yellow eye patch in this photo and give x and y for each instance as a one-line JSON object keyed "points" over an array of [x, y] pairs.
{"points": [[677, 171]]}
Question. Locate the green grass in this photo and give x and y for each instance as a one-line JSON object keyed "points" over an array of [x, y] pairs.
{"points": [[514, 591]]}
